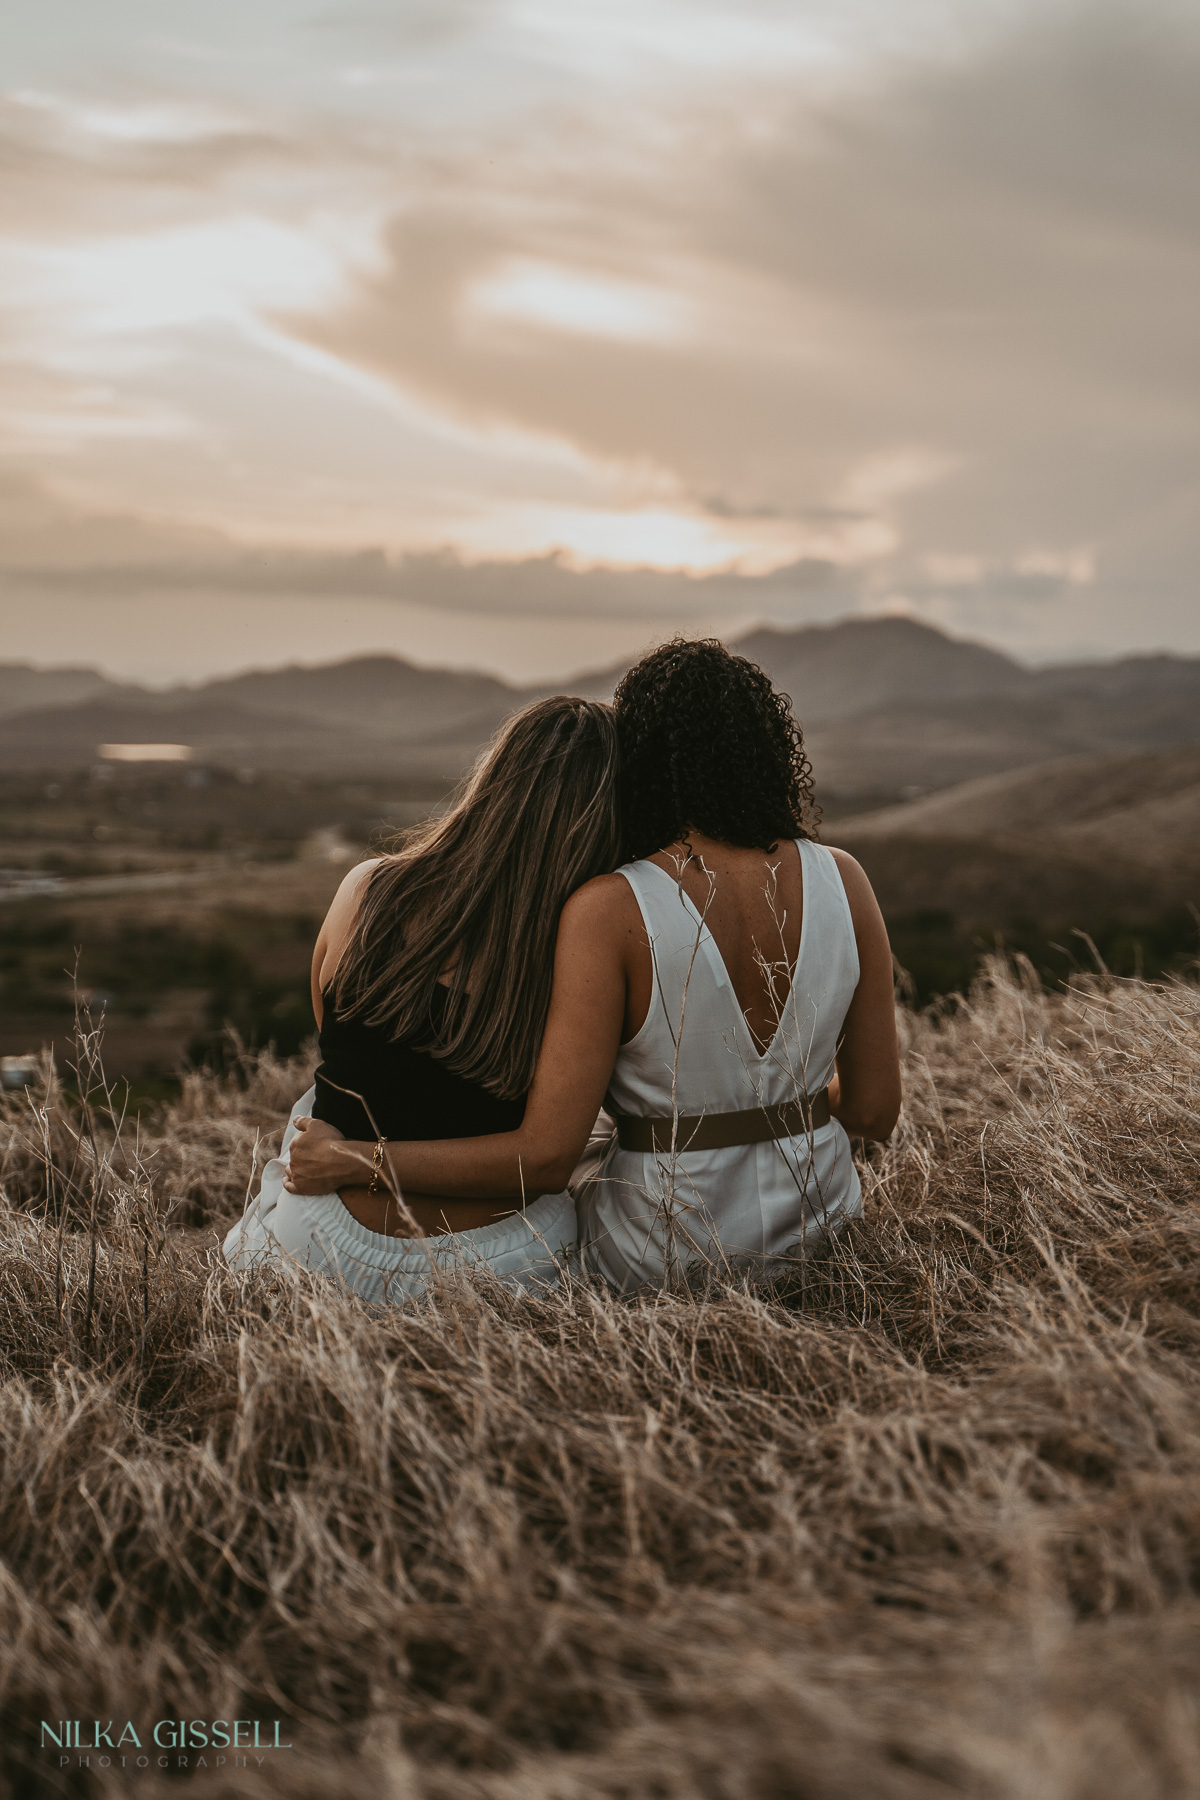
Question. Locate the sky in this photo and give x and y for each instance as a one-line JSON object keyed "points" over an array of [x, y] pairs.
{"points": [[517, 334]]}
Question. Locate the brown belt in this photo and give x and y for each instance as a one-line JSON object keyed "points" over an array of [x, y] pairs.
{"points": [[721, 1131]]}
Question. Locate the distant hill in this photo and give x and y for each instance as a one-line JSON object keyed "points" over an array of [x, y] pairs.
{"points": [[1089, 798], [933, 746], [24, 688], [376, 714], [858, 665], [376, 696], [1110, 843], [1118, 822], [868, 665], [888, 706]]}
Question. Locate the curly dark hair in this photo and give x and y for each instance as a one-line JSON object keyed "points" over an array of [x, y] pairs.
{"points": [[706, 743]]}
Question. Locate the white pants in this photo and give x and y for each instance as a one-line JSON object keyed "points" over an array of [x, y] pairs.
{"points": [[315, 1230]]}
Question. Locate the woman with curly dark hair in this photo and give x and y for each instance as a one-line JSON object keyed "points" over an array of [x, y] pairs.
{"points": [[760, 1026], [708, 744], [727, 993]]}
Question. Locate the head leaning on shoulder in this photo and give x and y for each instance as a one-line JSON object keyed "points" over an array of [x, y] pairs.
{"points": [[708, 745], [474, 897]]}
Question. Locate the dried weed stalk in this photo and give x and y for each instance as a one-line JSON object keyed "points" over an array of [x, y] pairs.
{"points": [[926, 1524]]}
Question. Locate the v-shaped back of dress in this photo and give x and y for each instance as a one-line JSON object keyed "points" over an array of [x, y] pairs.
{"points": [[647, 1214], [780, 965], [695, 1050]]}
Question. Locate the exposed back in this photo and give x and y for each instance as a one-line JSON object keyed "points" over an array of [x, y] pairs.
{"points": [[695, 1036]]}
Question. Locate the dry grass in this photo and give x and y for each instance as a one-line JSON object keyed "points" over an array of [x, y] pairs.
{"points": [[928, 1525]]}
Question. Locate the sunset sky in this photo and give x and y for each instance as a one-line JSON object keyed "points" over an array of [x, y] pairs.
{"points": [[516, 335]]}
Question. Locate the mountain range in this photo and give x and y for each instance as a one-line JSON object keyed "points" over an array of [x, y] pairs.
{"points": [[890, 707]]}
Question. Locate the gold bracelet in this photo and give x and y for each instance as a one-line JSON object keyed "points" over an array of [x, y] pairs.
{"points": [[376, 1181]]}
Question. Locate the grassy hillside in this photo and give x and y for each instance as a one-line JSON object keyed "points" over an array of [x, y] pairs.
{"points": [[1119, 799], [1108, 846], [926, 1524]]}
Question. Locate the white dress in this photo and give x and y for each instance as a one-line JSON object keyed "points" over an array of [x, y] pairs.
{"points": [[759, 1206]]}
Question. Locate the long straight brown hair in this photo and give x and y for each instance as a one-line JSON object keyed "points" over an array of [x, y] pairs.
{"points": [[477, 894]]}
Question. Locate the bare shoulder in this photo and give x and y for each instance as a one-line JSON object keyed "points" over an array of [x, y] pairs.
{"points": [[606, 903], [339, 922], [345, 903], [859, 891], [851, 870], [349, 895]]}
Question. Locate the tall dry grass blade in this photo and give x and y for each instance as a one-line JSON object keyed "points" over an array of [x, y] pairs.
{"points": [[923, 1523]]}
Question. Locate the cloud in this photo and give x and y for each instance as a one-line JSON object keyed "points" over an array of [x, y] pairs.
{"points": [[47, 543], [960, 303], [911, 324], [403, 28]]}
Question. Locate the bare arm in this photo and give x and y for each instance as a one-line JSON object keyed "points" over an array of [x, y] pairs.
{"points": [[579, 1048], [865, 1092]]}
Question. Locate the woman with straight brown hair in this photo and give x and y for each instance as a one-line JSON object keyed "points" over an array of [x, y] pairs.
{"points": [[431, 984]]}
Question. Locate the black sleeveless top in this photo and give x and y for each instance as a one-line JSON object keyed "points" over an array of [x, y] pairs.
{"points": [[409, 1093]]}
